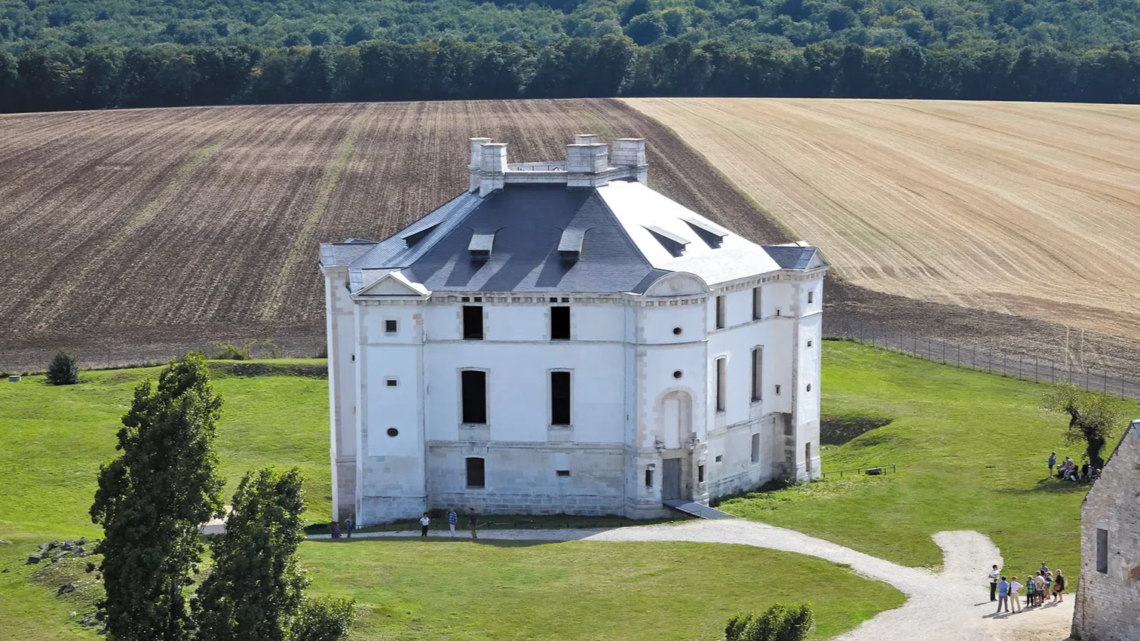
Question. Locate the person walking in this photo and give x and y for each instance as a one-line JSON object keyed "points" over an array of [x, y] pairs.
{"points": [[1052, 462], [348, 525], [452, 520], [1014, 596], [1003, 595], [474, 518], [994, 574], [1059, 587], [424, 520]]}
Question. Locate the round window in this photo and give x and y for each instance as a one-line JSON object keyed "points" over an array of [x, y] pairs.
{"points": [[809, 387], [677, 331], [677, 374], [393, 431]]}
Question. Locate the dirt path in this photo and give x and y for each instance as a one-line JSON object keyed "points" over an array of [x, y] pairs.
{"points": [[952, 605]]}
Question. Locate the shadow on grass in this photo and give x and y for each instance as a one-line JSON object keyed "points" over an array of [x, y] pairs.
{"points": [[1048, 486], [440, 540]]}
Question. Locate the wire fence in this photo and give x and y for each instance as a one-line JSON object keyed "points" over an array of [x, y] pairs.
{"points": [[874, 470], [1032, 368]]}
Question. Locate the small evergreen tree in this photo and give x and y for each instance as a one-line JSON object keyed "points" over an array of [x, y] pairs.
{"points": [[778, 623], [151, 501], [1092, 416], [323, 619], [255, 589], [63, 369]]}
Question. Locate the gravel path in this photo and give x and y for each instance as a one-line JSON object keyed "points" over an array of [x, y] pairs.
{"points": [[952, 605]]}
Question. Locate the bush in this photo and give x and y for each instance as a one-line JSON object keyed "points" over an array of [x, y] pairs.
{"points": [[779, 623], [63, 369], [232, 351], [323, 619]]}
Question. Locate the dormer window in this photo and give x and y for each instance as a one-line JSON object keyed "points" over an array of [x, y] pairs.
{"points": [[708, 232], [570, 245], [481, 245], [672, 243], [416, 236]]}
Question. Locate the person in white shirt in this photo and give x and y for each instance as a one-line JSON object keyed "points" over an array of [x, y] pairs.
{"points": [[424, 520], [1014, 597], [994, 574]]}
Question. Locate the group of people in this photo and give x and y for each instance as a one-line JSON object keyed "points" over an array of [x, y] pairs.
{"points": [[425, 523], [1038, 589], [1068, 470]]}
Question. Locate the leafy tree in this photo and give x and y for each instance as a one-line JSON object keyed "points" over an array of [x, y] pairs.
{"points": [[63, 369], [778, 623], [323, 619], [1092, 417], [152, 499], [646, 28], [255, 588]]}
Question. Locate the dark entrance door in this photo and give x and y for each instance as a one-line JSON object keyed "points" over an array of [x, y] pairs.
{"points": [[671, 479]]}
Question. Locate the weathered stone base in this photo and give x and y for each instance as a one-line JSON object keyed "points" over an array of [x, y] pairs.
{"points": [[344, 489], [375, 510]]}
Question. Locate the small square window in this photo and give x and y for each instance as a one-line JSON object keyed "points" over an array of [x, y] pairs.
{"points": [[565, 300], [810, 297], [465, 299], [809, 343], [563, 472], [777, 389], [390, 382], [478, 299], [391, 326], [719, 458]]}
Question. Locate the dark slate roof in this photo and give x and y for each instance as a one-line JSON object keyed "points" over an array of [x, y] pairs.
{"points": [[527, 223], [333, 254], [394, 252], [790, 256]]}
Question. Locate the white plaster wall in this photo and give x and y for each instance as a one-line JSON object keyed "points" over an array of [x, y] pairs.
{"points": [[341, 337]]}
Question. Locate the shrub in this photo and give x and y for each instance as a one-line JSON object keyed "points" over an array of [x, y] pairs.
{"points": [[63, 369], [779, 623], [323, 619], [232, 351]]}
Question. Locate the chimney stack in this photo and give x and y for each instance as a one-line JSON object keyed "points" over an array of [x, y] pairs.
{"points": [[630, 152], [473, 180], [586, 158], [492, 167]]}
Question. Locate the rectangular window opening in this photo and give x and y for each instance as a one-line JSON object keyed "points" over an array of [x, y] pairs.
{"points": [[720, 312], [809, 343], [391, 382], [473, 322], [563, 472], [560, 323], [756, 303], [391, 327], [811, 295], [757, 373], [476, 473], [700, 474], [721, 384], [719, 458], [648, 478], [777, 390], [1102, 550], [474, 384], [755, 448], [560, 398]]}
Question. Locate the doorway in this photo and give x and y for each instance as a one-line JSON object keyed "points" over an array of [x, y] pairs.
{"points": [[671, 479]]}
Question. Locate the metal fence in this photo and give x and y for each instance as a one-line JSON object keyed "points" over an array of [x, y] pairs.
{"points": [[1032, 368]]}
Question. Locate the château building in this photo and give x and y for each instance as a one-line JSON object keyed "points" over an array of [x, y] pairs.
{"points": [[560, 338]]}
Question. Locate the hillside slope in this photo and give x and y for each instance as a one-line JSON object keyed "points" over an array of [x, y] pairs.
{"points": [[134, 235], [1028, 209]]}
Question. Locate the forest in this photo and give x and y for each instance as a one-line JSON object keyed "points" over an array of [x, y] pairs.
{"points": [[68, 78], [781, 24]]}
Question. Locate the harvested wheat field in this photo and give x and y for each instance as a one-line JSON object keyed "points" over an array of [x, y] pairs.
{"points": [[134, 235], [1029, 209]]}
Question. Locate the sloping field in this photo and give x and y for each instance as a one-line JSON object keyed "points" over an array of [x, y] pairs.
{"points": [[1021, 208], [131, 235]]}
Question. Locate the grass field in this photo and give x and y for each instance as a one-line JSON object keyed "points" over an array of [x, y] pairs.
{"points": [[1026, 208], [56, 437], [970, 449], [230, 204]]}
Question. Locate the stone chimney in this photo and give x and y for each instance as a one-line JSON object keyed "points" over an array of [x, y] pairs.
{"points": [[630, 152], [473, 179], [492, 167], [585, 159]]}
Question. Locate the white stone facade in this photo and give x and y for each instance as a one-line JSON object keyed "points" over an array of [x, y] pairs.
{"points": [[1108, 595], [644, 423]]}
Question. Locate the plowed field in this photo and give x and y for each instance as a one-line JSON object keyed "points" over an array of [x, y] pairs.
{"points": [[132, 235], [1020, 208]]}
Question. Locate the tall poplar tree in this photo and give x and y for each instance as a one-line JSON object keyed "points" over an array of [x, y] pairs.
{"points": [[255, 589], [152, 499]]}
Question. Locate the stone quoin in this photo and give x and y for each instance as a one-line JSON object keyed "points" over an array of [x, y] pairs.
{"points": [[560, 338]]}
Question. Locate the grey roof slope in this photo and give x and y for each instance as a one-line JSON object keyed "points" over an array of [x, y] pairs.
{"points": [[527, 223], [790, 256]]}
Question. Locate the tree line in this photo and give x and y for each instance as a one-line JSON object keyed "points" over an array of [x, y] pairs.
{"points": [[107, 77]]}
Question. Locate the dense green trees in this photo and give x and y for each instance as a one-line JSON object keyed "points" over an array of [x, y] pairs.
{"points": [[163, 76], [780, 23]]}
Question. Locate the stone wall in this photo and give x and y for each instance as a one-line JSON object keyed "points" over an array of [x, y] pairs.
{"points": [[1108, 603]]}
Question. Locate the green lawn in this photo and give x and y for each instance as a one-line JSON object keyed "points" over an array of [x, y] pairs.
{"points": [[55, 438], [971, 452]]}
